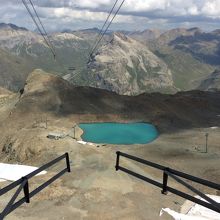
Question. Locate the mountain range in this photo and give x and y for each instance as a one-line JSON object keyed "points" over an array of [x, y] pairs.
{"points": [[128, 63]]}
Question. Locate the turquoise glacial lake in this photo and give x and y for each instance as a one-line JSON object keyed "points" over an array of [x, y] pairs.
{"points": [[119, 133]]}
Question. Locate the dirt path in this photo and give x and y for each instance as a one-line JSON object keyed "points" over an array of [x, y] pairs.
{"points": [[94, 190]]}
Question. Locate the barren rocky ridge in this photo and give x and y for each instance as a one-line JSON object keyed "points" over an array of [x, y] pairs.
{"points": [[94, 190], [127, 63]]}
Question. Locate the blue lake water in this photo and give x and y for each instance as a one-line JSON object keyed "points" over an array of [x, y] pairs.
{"points": [[119, 133]]}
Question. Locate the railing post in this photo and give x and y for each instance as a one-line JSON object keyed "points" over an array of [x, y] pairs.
{"points": [[117, 160], [26, 190], [165, 180], [68, 162]]}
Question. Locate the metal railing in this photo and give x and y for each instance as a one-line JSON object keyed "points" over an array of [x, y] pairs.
{"points": [[174, 174], [23, 184]]}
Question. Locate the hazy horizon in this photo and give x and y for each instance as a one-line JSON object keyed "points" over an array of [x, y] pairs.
{"points": [[111, 30], [134, 14]]}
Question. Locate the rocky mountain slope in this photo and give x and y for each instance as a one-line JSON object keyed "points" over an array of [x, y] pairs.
{"points": [[173, 47], [51, 97], [132, 63], [140, 70], [171, 35], [201, 45], [212, 82], [30, 47], [13, 70], [128, 67], [4, 92], [51, 104], [146, 35]]}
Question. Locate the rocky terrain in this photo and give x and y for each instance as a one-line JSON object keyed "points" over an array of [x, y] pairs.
{"points": [[94, 190], [176, 47], [212, 82], [26, 50], [14, 70], [39, 95], [150, 61], [128, 67], [47, 96], [146, 35]]}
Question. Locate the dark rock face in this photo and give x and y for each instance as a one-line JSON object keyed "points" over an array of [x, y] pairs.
{"points": [[182, 110]]}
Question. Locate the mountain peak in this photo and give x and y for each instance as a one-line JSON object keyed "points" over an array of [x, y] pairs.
{"points": [[91, 30], [11, 26], [117, 36], [195, 30], [217, 32], [128, 67]]}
